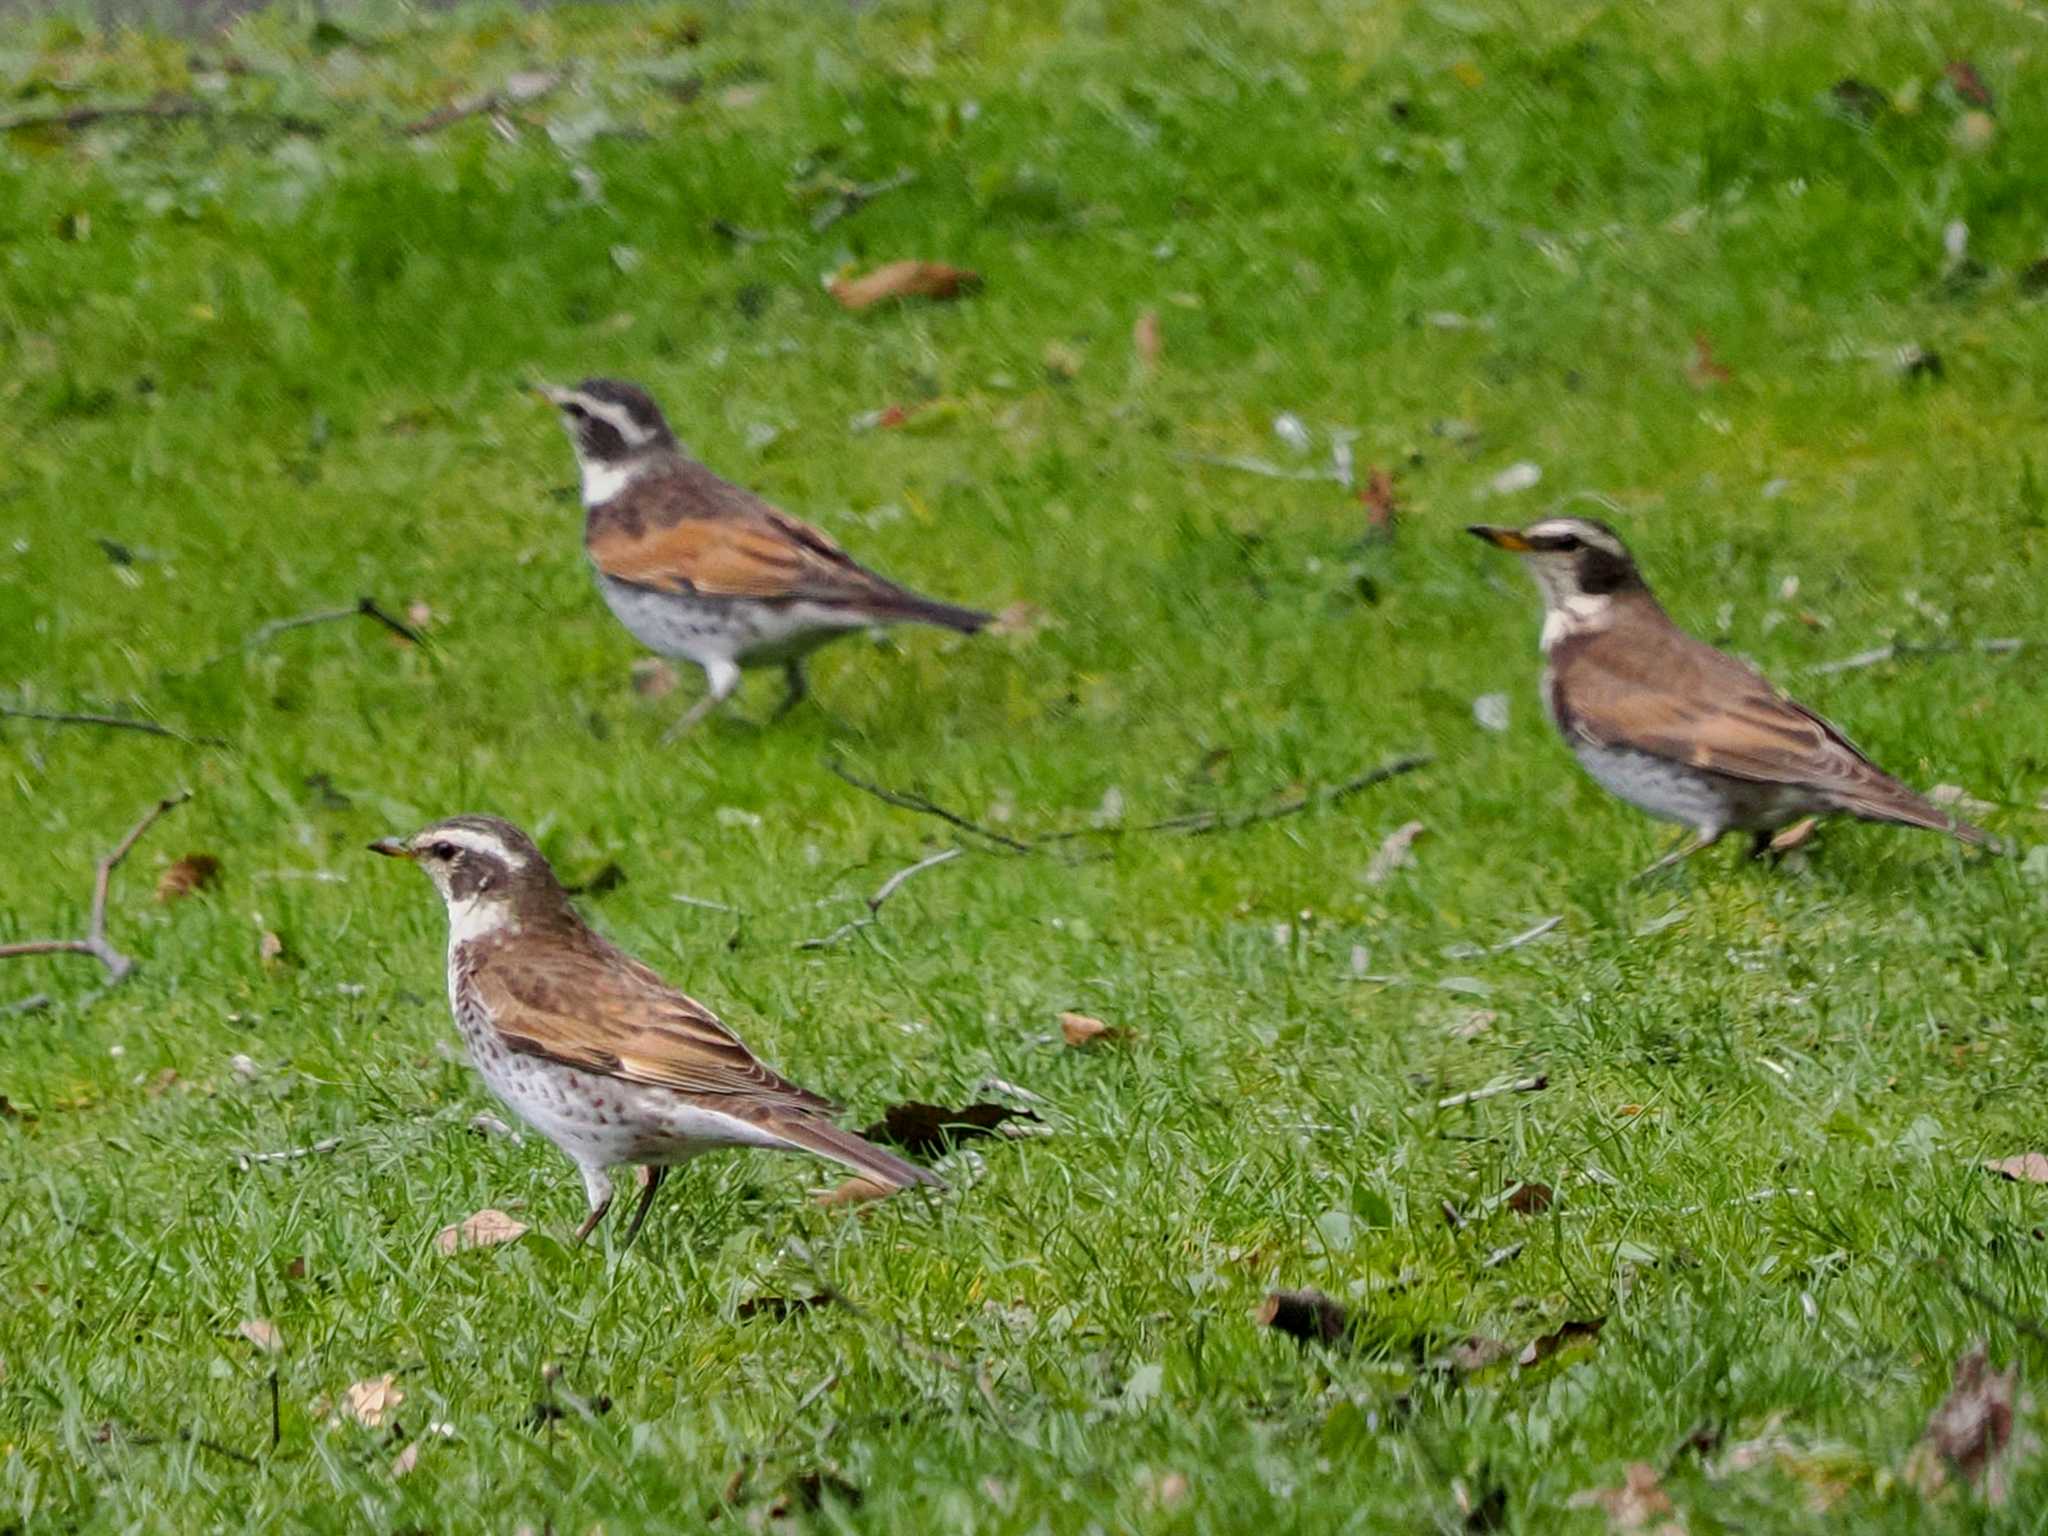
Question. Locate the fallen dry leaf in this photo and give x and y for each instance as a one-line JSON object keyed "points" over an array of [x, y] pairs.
{"points": [[1394, 853], [270, 948], [1529, 1197], [653, 678], [1477, 1352], [369, 1403], [1309, 1316], [1146, 341], [1968, 84], [922, 1128], [486, 1229], [406, 1460], [903, 280], [1968, 1432], [1701, 369], [1634, 1505], [1382, 503], [2027, 1168], [1571, 1331], [194, 872], [262, 1333], [855, 1191], [1079, 1029]]}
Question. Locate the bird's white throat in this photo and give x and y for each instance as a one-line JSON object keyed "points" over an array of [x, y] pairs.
{"points": [[601, 482], [1574, 613], [477, 917]]}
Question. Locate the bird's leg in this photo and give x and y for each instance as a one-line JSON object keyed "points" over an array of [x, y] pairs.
{"points": [[1704, 839], [598, 1185], [798, 688], [721, 677], [655, 1174]]}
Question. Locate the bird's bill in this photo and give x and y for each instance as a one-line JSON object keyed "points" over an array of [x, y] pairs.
{"points": [[393, 848], [554, 394], [1501, 538]]}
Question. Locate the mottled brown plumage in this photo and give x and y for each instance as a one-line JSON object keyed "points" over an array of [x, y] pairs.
{"points": [[589, 1045], [700, 568], [1677, 727]]}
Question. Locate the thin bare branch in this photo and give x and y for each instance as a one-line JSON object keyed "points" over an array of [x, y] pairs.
{"points": [[855, 196], [95, 942], [111, 722], [888, 888], [361, 608], [1193, 824], [161, 109], [1901, 651], [1494, 1090], [522, 90], [904, 800], [247, 1160]]}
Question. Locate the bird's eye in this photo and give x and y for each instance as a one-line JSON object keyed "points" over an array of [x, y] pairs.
{"points": [[442, 850], [575, 412]]}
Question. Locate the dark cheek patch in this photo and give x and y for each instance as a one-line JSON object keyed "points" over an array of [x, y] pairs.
{"points": [[600, 438], [1601, 572], [469, 879]]}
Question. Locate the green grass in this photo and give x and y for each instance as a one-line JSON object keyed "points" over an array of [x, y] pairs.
{"points": [[280, 371]]}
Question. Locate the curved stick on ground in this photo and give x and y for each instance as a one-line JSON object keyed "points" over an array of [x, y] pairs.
{"points": [[95, 942]]}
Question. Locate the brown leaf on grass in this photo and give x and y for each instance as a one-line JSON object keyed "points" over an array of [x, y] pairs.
{"points": [[1701, 369], [193, 872], [1635, 1505], [1079, 1029], [1394, 853], [1798, 835], [903, 280], [2027, 1168], [1571, 1331], [1968, 84], [405, 1460], [854, 1191], [926, 1128], [1969, 1431], [486, 1229], [1382, 503], [1309, 1316], [654, 678], [371, 1402], [262, 1333], [1529, 1197], [1146, 340], [270, 948]]}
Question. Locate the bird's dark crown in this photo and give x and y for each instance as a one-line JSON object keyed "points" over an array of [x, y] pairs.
{"points": [[471, 856], [612, 420]]}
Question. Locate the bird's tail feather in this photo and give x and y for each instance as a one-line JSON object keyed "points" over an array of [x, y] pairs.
{"points": [[910, 607], [821, 1136], [1892, 801]]}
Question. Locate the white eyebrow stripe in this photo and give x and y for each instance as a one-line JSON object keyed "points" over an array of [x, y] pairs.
{"points": [[620, 419], [478, 842]]}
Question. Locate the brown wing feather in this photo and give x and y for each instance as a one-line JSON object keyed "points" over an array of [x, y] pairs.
{"points": [[687, 530], [1658, 690], [585, 1009]]}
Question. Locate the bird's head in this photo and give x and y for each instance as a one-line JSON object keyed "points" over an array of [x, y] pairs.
{"points": [[483, 867], [1575, 560], [612, 425]]}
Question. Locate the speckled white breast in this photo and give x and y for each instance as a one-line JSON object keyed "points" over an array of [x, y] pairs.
{"points": [[745, 630], [596, 1121]]}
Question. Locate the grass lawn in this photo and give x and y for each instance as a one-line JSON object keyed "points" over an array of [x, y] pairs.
{"points": [[1678, 258]]}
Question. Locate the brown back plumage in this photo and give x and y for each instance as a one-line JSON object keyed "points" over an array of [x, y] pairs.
{"points": [[681, 528], [1644, 683]]}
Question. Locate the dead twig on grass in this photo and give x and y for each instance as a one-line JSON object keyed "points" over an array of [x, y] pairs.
{"points": [[111, 722], [856, 195], [1494, 1090], [361, 608], [521, 90], [159, 109], [888, 888], [1192, 824], [1902, 651], [247, 1160], [95, 942]]}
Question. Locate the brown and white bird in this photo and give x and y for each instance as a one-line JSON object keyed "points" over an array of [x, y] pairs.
{"points": [[590, 1047], [700, 569], [1676, 727]]}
